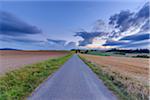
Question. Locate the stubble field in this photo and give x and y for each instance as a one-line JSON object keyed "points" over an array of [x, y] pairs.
{"points": [[129, 74]]}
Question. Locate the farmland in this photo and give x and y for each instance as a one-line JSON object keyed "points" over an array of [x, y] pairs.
{"points": [[130, 74], [19, 83], [13, 59]]}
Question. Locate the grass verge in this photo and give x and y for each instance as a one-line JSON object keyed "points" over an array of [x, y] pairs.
{"points": [[108, 81], [18, 84]]}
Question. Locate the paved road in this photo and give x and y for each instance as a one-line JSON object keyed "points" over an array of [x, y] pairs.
{"points": [[73, 81]]}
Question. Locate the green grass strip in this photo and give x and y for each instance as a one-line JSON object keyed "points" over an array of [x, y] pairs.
{"points": [[18, 84]]}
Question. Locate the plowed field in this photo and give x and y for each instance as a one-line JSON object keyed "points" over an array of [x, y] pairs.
{"points": [[11, 59]]}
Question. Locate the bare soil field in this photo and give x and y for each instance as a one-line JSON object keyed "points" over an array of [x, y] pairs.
{"points": [[12, 59], [136, 68]]}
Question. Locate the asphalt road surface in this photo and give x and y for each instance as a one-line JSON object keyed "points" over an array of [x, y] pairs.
{"points": [[73, 81]]}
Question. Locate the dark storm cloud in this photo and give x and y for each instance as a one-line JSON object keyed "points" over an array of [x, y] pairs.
{"points": [[12, 26], [87, 37], [121, 44], [144, 45], [137, 37], [129, 40], [114, 43]]}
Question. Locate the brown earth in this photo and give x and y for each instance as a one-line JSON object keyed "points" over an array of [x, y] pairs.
{"points": [[11, 59], [135, 68]]}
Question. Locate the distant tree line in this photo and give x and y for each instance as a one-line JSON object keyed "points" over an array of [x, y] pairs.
{"points": [[81, 51], [130, 50], [114, 50], [142, 56]]}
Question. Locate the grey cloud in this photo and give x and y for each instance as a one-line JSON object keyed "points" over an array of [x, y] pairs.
{"points": [[146, 26], [133, 45], [137, 37], [126, 19], [87, 37], [142, 44], [144, 11], [61, 44], [71, 45], [114, 43], [21, 40], [10, 25], [121, 20], [128, 40], [100, 25], [121, 25]]}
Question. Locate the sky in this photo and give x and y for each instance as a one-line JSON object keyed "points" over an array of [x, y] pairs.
{"points": [[63, 25]]}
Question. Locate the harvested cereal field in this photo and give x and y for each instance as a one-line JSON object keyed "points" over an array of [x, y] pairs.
{"points": [[130, 75], [12, 59], [136, 68]]}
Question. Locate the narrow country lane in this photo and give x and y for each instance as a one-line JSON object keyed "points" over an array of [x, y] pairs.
{"points": [[73, 81]]}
